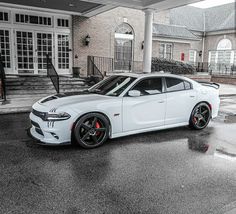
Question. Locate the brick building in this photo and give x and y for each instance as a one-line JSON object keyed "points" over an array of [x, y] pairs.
{"points": [[186, 34]]}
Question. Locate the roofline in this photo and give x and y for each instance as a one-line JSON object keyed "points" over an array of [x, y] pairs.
{"points": [[177, 37]]}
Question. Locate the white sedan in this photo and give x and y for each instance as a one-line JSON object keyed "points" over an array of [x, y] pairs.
{"points": [[122, 105]]}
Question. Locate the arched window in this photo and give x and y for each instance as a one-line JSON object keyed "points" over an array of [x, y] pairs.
{"points": [[124, 36], [124, 28], [224, 44]]}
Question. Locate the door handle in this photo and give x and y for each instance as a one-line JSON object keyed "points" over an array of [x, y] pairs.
{"points": [[161, 101], [192, 96]]}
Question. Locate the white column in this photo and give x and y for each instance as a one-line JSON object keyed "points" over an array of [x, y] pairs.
{"points": [[147, 53]]}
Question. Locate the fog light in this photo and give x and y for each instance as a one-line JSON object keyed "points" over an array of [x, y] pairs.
{"points": [[54, 135]]}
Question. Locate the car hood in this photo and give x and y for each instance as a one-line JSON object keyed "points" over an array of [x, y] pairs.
{"points": [[68, 99]]}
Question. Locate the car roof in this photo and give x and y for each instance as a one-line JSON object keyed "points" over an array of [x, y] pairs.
{"points": [[153, 74]]}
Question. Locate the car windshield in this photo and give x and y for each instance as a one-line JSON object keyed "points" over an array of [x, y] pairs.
{"points": [[112, 86]]}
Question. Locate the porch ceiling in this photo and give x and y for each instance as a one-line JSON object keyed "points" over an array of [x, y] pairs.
{"points": [[93, 7]]}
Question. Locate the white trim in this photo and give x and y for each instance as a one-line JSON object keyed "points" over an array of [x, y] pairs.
{"points": [[171, 40], [232, 57], [194, 56], [124, 36]]}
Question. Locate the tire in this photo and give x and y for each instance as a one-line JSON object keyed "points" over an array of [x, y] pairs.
{"points": [[91, 130], [200, 116]]}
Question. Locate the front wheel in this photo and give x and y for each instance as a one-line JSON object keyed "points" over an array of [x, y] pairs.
{"points": [[91, 130], [200, 116]]}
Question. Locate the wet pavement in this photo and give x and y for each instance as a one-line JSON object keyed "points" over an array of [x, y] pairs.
{"points": [[172, 171]]}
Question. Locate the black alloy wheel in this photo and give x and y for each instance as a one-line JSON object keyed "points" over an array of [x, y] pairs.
{"points": [[91, 130], [200, 116]]}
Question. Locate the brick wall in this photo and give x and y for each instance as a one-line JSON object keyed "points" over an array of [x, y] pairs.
{"points": [[180, 48], [212, 41], [101, 29], [224, 79]]}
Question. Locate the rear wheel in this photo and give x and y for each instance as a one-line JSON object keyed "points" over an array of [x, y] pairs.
{"points": [[91, 130], [200, 116]]}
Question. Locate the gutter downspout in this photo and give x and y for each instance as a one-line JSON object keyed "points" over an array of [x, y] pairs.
{"points": [[204, 35]]}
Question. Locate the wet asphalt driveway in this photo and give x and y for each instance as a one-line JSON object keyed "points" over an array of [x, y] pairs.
{"points": [[173, 171]]}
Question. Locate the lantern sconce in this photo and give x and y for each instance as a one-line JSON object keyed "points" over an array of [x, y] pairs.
{"points": [[87, 40], [142, 45], [200, 53]]}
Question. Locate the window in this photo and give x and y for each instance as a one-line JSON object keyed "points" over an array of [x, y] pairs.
{"points": [[112, 86], [173, 84], [62, 22], [124, 29], [165, 51], [124, 37], [4, 16], [192, 56], [63, 51], [187, 85], [36, 20], [149, 86], [224, 44], [5, 48]]}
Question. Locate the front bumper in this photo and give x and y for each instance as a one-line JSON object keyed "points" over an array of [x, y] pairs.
{"points": [[50, 133]]}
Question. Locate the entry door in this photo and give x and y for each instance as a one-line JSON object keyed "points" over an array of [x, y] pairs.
{"points": [[63, 53], [5, 49], [123, 54], [147, 110], [44, 46], [25, 51]]}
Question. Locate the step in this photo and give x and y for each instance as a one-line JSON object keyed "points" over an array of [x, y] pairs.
{"points": [[16, 89], [39, 95], [42, 78], [34, 92], [41, 87], [44, 83]]}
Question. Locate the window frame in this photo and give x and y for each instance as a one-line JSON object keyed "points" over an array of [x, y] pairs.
{"points": [[9, 16], [142, 79], [65, 19], [24, 14], [165, 84], [165, 50]]}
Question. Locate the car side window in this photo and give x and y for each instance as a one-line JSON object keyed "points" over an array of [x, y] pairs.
{"points": [[187, 85], [174, 84], [149, 86]]}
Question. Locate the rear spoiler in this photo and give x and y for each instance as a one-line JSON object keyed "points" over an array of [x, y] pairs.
{"points": [[210, 84]]}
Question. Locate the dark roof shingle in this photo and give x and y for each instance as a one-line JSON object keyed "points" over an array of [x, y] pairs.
{"points": [[171, 31]]}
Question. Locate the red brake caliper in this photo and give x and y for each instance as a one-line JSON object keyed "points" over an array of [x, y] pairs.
{"points": [[97, 125]]}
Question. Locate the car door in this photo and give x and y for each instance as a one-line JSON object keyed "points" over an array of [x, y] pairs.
{"points": [[146, 110], [180, 100]]}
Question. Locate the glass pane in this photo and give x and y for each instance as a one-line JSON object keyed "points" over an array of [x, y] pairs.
{"points": [[174, 84]]}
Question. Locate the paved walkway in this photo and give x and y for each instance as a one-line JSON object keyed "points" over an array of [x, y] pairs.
{"points": [[227, 93]]}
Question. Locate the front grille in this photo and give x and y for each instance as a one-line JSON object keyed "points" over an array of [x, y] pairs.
{"points": [[39, 114], [37, 128]]}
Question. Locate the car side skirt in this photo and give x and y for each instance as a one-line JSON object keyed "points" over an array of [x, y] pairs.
{"points": [[116, 135]]}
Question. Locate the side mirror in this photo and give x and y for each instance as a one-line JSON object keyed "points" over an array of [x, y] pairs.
{"points": [[134, 93]]}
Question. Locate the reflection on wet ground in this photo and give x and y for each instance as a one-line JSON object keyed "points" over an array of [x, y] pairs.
{"points": [[171, 171]]}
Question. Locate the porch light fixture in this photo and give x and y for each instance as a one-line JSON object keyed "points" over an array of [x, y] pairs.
{"points": [[200, 53], [87, 40]]}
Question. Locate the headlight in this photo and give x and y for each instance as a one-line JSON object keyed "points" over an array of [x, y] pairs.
{"points": [[57, 116]]}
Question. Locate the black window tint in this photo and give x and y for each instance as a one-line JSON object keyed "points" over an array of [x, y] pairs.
{"points": [[149, 86], [173, 84], [187, 85]]}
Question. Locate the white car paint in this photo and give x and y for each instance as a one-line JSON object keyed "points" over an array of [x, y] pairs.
{"points": [[127, 115]]}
